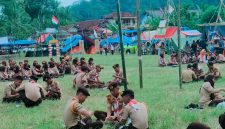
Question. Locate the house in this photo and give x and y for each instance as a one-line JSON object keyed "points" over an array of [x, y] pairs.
{"points": [[128, 20]]}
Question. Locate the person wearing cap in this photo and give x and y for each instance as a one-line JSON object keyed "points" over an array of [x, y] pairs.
{"points": [[213, 71], [133, 110], [114, 104], [10, 94], [188, 75], [93, 79], [222, 121], [31, 93], [118, 77], [81, 79], [52, 88], [75, 111]]}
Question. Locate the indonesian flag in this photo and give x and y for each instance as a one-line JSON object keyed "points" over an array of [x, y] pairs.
{"points": [[55, 20]]}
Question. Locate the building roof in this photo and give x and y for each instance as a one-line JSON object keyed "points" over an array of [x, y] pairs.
{"points": [[123, 15], [90, 24]]}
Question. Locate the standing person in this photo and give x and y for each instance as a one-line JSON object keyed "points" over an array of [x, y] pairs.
{"points": [[31, 93], [52, 88], [106, 49], [187, 47], [112, 49], [188, 75], [133, 110], [10, 94], [162, 61], [208, 95], [76, 116], [194, 48]]}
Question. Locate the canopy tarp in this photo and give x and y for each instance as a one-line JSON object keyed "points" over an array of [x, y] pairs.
{"points": [[170, 31], [191, 33], [148, 35]]}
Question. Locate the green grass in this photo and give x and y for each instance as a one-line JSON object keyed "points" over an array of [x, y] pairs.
{"points": [[161, 93]]}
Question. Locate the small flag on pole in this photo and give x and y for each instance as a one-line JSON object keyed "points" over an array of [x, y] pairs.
{"points": [[220, 19], [55, 20], [170, 9]]}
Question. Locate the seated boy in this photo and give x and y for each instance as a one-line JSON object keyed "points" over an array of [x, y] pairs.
{"points": [[10, 94], [93, 79], [52, 88]]}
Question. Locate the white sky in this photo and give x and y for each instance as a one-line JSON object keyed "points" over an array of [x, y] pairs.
{"points": [[67, 2]]}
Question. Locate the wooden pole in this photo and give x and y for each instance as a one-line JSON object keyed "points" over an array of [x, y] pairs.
{"points": [[121, 43], [139, 43], [179, 43]]}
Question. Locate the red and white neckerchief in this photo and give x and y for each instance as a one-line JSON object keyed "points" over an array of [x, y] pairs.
{"points": [[133, 104]]}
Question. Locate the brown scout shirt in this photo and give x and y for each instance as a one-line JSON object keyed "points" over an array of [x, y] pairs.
{"points": [[213, 72], [205, 93], [32, 90], [138, 115], [72, 113], [81, 79], [116, 104], [10, 90], [53, 87], [188, 75]]}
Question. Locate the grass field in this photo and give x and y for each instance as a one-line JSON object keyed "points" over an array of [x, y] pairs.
{"points": [[161, 93]]}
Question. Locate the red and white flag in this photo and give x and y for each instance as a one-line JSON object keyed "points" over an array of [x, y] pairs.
{"points": [[55, 20], [220, 19]]}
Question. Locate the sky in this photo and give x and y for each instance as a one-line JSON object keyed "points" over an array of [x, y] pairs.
{"points": [[67, 2]]}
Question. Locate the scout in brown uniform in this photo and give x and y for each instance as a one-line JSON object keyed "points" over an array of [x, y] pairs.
{"points": [[198, 71], [78, 117], [53, 70], [80, 79], [118, 74], [94, 79], [115, 105], [75, 66], [31, 93], [52, 88], [208, 95], [91, 65], [135, 111], [26, 71], [3, 73], [10, 93], [188, 75], [213, 71]]}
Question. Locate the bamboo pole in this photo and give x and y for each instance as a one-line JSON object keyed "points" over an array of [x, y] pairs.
{"points": [[179, 43], [121, 44], [139, 43]]}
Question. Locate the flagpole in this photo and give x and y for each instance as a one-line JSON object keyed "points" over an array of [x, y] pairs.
{"points": [[139, 43], [179, 43], [121, 44]]}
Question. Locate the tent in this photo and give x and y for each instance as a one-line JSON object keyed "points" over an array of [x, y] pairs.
{"points": [[4, 41], [186, 35], [148, 35]]}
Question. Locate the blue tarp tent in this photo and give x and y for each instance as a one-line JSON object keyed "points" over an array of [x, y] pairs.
{"points": [[4, 41]]}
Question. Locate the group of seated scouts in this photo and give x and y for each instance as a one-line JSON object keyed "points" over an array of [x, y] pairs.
{"points": [[194, 72], [88, 75], [31, 92], [122, 110]]}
